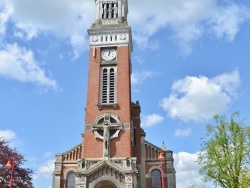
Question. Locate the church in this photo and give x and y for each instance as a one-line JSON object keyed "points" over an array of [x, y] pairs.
{"points": [[114, 152]]}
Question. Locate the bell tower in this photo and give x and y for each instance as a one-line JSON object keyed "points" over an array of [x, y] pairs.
{"points": [[108, 116], [108, 135], [113, 152]]}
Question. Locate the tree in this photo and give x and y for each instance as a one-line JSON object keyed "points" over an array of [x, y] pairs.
{"points": [[225, 152], [21, 176]]}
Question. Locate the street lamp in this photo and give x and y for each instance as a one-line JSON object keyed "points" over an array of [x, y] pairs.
{"points": [[11, 164], [162, 159]]}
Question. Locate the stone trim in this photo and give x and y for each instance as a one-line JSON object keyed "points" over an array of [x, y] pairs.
{"points": [[101, 106], [68, 171], [110, 35], [121, 172], [148, 175]]}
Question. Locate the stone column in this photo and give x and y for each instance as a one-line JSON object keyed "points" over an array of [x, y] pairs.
{"points": [[115, 10], [143, 158], [98, 10], [57, 171], [105, 11], [170, 169], [119, 9], [81, 181], [110, 10]]}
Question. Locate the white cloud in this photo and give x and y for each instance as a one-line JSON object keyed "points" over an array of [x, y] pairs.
{"points": [[19, 64], [46, 169], [138, 76], [10, 137], [67, 19], [228, 81], [187, 170], [7, 134], [183, 132], [151, 120], [5, 12], [188, 19], [43, 170], [226, 21], [199, 98]]}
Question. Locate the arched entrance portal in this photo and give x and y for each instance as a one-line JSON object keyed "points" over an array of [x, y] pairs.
{"points": [[105, 184]]}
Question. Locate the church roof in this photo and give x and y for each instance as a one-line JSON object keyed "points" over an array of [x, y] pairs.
{"points": [[115, 165]]}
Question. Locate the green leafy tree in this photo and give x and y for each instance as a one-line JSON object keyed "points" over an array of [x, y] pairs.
{"points": [[225, 152], [22, 177]]}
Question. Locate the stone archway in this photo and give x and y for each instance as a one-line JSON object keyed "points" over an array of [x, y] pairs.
{"points": [[105, 184]]}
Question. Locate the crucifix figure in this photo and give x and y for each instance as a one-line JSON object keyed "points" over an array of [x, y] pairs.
{"points": [[106, 127]]}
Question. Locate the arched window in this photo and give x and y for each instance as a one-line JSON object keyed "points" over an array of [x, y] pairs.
{"points": [[71, 180], [156, 178]]}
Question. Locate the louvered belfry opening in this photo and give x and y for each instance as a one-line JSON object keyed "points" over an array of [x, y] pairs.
{"points": [[105, 86], [108, 86], [110, 10], [112, 86]]}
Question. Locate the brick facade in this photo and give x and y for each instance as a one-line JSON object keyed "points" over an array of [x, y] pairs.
{"points": [[113, 152]]}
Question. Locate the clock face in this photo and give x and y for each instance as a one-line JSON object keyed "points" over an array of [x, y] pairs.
{"points": [[108, 54]]}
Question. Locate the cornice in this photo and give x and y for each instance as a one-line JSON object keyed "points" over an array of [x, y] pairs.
{"points": [[108, 30]]}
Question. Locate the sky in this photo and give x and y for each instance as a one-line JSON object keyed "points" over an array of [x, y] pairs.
{"points": [[190, 61]]}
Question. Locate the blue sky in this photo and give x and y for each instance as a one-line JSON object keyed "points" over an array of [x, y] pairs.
{"points": [[190, 61]]}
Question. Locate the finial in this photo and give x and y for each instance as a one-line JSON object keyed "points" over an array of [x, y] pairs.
{"points": [[163, 147]]}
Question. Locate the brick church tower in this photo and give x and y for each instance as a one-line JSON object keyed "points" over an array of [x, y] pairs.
{"points": [[114, 152]]}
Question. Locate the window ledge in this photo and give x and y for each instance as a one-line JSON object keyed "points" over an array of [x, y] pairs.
{"points": [[101, 106]]}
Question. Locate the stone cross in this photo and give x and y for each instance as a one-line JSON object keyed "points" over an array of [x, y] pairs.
{"points": [[106, 127]]}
